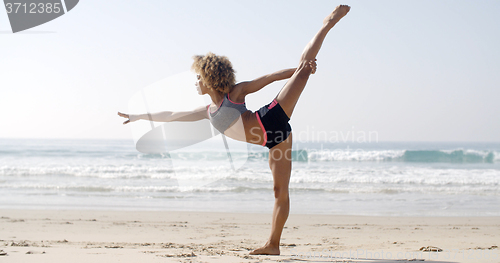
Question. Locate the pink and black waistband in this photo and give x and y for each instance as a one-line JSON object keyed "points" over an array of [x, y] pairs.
{"points": [[274, 123]]}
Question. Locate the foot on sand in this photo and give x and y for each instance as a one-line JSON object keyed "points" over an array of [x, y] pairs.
{"points": [[266, 250], [339, 12]]}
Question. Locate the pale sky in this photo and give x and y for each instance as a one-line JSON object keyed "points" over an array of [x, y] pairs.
{"points": [[409, 70]]}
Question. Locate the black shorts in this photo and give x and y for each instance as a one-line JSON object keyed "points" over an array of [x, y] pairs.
{"points": [[274, 122]]}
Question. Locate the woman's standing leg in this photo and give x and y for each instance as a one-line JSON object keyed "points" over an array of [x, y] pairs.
{"points": [[280, 162], [290, 93], [280, 156]]}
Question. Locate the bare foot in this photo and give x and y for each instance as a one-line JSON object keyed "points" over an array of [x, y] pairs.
{"points": [[339, 12], [266, 250]]}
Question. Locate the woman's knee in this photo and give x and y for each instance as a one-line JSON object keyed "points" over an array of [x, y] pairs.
{"points": [[281, 192], [304, 69]]}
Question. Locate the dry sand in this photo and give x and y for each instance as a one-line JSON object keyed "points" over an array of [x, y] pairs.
{"points": [[100, 236]]}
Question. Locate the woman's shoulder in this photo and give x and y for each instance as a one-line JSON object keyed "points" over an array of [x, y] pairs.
{"points": [[236, 94]]}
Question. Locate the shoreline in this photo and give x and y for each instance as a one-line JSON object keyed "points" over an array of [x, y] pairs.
{"points": [[113, 209], [166, 236]]}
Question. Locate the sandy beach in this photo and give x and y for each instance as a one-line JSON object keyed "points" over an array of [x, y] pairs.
{"points": [[126, 236]]}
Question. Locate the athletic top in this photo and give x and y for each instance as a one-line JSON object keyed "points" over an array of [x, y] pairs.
{"points": [[226, 114]]}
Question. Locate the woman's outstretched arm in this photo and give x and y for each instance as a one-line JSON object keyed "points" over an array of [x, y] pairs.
{"points": [[259, 83], [168, 116], [244, 88], [247, 87]]}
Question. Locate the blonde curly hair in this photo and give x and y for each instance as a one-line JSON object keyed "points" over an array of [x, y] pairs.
{"points": [[216, 71]]}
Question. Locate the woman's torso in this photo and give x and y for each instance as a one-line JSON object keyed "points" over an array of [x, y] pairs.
{"points": [[244, 127]]}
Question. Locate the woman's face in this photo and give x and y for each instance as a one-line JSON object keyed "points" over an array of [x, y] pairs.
{"points": [[200, 87]]}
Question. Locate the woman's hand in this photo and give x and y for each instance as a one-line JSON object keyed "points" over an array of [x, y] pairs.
{"points": [[124, 116], [312, 64]]}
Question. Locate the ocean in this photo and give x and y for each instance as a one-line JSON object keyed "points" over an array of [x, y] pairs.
{"points": [[384, 178]]}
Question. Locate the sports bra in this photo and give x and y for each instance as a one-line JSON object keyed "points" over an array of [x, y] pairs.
{"points": [[226, 114]]}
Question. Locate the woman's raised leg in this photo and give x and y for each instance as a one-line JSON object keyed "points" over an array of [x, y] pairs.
{"points": [[280, 162], [290, 93]]}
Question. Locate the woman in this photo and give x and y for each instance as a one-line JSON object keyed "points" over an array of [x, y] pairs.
{"points": [[268, 126]]}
